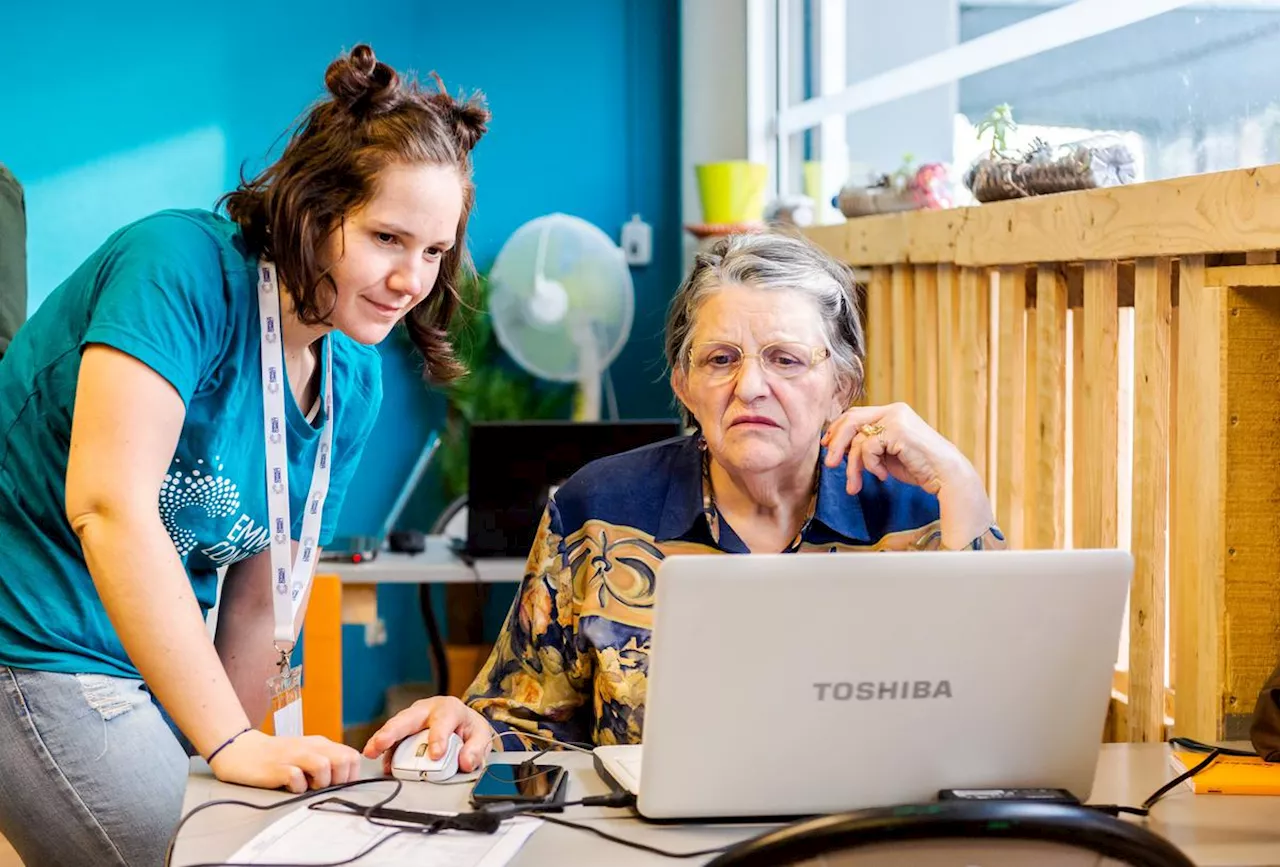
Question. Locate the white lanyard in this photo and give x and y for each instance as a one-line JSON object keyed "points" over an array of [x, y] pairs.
{"points": [[290, 582]]}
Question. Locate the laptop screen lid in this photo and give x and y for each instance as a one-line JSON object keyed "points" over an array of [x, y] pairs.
{"points": [[803, 684]]}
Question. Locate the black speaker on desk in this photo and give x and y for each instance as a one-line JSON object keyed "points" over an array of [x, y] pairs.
{"points": [[990, 833]]}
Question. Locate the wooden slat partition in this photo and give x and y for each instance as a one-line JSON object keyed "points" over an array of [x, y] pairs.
{"points": [[975, 327], [879, 348], [926, 343], [1173, 411], [1079, 421], [950, 383], [1196, 575], [1046, 487], [902, 349], [1153, 315], [1011, 424], [1101, 375]]}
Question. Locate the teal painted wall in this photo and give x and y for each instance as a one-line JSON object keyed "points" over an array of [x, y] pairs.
{"points": [[108, 113]]}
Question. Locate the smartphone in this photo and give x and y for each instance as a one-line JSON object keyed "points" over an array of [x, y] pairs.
{"points": [[523, 783]]}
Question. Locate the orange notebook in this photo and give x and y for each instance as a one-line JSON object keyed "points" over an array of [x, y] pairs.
{"points": [[1229, 775]]}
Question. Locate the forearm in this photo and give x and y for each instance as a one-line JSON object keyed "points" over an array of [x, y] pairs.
{"points": [[147, 594]]}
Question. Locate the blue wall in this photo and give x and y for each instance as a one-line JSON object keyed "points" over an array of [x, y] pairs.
{"points": [[110, 112]]}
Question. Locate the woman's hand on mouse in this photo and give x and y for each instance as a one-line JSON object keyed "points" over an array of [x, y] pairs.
{"points": [[296, 764], [443, 715]]}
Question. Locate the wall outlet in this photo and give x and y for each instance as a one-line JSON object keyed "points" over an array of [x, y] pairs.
{"points": [[637, 241], [375, 633]]}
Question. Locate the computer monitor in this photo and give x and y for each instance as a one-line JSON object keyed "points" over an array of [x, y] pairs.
{"points": [[513, 466]]}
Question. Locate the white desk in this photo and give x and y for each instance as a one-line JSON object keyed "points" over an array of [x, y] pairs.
{"points": [[1213, 830], [438, 564]]}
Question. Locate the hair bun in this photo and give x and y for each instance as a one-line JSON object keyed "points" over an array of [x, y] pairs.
{"points": [[470, 120], [362, 84], [469, 117]]}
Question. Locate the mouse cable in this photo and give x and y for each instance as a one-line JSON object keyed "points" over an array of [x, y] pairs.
{"points": [[632, 844], [297, 799], [613, 800]]}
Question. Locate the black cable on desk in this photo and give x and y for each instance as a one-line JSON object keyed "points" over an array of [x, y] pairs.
{"points": [[643, 847], [297, 799]]}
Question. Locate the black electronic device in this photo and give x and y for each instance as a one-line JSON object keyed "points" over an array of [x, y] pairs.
{"points": [[1043, 796], [513, 467], [524, 783]]}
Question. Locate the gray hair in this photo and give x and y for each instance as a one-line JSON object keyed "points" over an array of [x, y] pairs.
{"points": [[774, 261]]}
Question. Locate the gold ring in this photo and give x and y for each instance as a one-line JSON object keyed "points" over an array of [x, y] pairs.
{"points": [[872, 430]]}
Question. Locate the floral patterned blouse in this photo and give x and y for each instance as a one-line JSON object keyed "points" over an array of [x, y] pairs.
{"points": [[572, 658]]}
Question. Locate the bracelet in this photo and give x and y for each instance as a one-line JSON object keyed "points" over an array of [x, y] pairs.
{"points": [[227, 743]]}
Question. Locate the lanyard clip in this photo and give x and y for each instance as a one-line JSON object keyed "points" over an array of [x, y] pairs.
{"points": [[284, 651]]}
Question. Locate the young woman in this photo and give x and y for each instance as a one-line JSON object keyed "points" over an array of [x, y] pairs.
{"points": [[197, 395]]}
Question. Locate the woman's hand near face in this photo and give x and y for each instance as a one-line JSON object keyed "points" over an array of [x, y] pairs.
{"points": [[893, 441]]}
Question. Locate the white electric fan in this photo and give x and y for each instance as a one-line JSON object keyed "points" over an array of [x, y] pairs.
{"points": [[561, 301]]}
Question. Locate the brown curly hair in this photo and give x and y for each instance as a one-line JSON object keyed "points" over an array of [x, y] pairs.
{"points": [[371, 119]]}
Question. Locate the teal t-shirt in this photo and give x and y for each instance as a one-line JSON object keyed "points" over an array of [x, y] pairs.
{"points": [[178, 291]]}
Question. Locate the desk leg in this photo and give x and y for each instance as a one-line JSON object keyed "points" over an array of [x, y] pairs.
{"points": [[322, 660]]}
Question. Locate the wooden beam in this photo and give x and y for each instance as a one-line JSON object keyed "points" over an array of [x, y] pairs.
{"points": [[1097, 457], [833, 238], [1122, 687], [1171, 622], [975, 300], [1078, 420], [1051, 388], [950, 383], [902, 290], [1012, 406], [1243, 275], [1206, 213], [1197, 576], [926, 344], [879, 335], [1153, 314], [1031, 425]]}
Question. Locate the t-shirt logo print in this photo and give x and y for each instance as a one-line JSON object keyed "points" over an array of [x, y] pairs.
{"points": [[198, 488]]}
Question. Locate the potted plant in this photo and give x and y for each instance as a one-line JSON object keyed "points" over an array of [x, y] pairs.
{"points": [[1100, 161], [908, 188], [996, 176]]}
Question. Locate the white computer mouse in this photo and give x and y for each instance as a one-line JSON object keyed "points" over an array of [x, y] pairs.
{"points": [[410, 760]]}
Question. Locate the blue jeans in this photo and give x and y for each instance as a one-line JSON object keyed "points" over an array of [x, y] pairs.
{"points": [[92, 773]]}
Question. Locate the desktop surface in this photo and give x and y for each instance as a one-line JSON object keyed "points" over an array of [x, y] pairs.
{"points": [[1213, 830]]}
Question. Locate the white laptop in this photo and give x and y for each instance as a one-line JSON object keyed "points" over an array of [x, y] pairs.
{"points": [[786, 685]]}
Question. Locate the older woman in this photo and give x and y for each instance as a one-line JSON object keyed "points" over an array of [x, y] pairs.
{"points": [[766, 350]]}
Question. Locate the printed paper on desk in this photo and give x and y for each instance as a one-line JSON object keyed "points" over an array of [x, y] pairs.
{"points": [[314, 837]]}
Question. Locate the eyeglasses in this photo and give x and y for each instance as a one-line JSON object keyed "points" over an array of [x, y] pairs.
{"points": [[720, 362]]}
